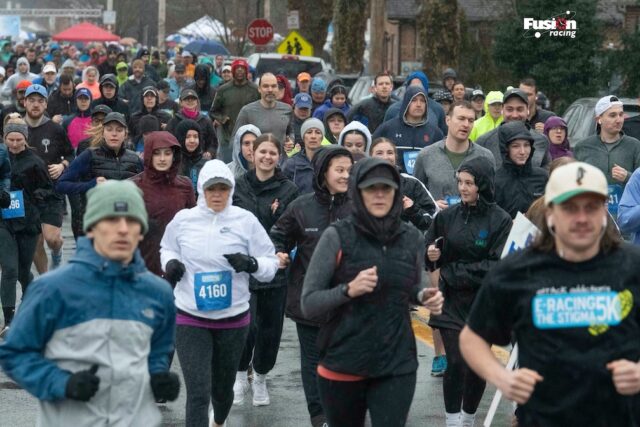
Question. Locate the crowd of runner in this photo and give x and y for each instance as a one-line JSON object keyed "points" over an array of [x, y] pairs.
{"points": [[206, 208]]}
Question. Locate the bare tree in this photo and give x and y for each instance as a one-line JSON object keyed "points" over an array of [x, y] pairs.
{"points": [[349, 26], [315, 17], [439, 33]]}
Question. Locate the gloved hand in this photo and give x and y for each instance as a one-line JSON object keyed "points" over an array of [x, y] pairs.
{"points": [[165, 386], [174, 271], [5, 199], [241, 262], [83, 385]]}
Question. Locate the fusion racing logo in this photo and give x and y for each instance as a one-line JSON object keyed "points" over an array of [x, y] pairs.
{"points": [[561, 25]]}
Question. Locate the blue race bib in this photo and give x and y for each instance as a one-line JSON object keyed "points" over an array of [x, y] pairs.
{"points": [[212, 290], [452, 200], [572, 310], [16, 208], [410, 160], [615, 193]]}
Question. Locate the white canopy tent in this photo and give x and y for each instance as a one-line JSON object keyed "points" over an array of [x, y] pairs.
{"points": [[205, 28]]}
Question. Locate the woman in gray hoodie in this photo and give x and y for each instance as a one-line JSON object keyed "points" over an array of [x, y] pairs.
{"points": [[243, 150]]}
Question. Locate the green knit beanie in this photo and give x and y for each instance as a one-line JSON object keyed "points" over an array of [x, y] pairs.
{"points": [[115, 198]]}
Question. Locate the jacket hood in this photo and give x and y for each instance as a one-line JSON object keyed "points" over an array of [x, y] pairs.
{"points": [[412, 92], [110, 78], [493, 96], [507, 132], [356, 125], [237, 156], [144, 89], [120, 65], [214, 169], [332, 112], [483, 174], [181, 135], [320, 164], [384, 228], [564, 148], [161, 139], [68, 64], [421, 76], [23, 60], [201, 72], [86, 70]]}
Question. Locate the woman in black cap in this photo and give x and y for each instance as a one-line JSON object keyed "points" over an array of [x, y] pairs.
{"points": [[365, 271], [464, 241]]}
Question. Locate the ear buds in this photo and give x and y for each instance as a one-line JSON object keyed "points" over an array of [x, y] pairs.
{"points": [[604, 222], [549, 224]]}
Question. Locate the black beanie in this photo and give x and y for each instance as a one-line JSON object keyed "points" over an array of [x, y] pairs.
{"points": [[149, 123]]}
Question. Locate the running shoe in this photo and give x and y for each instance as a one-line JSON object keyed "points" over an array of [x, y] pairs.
{"points": [[212, 421], [260, 392], [240, 388], [439, 365], [56, 260]]}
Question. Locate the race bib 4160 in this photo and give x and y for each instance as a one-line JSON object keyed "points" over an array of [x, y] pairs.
{"points": [[573, 310], [212, 290]]}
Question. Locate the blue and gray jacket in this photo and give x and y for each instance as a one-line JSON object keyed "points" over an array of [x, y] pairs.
{"points": [[5, 168], [93, 311]]}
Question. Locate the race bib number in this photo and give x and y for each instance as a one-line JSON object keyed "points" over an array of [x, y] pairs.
{"points": [[574, 310], [16, 208], [410, 160], [615, 193], [452, 200], [212, 290]]}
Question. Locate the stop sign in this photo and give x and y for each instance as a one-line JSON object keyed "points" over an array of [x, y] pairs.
{"points": [[260, 31]]}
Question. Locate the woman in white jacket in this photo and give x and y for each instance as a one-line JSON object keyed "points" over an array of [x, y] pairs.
{"points": [[208, 253]]}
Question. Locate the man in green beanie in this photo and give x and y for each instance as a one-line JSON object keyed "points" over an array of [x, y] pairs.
{"points": [[92, 339]]}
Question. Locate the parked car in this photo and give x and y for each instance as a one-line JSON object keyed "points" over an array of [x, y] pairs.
{"points": [[288, 65], [581, 120]]}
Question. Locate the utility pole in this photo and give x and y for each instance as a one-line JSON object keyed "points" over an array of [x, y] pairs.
{"points": [[376, 36], [162, 16]]}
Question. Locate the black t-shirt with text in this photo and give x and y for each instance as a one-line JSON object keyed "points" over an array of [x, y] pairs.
{"points": [[569, 320]]}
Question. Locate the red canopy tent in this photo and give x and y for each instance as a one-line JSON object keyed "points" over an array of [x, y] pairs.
{"points": [[86, 32]]}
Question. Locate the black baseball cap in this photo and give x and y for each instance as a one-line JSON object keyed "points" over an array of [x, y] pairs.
{"points": [[115, 117], [188, 93], [510, 93], [101, 109], [180, 68]]}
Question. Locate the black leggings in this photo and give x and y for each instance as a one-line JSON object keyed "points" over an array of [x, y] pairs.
{"points": [[209, 359], [16, 257], [461, 386], [388, 400]]}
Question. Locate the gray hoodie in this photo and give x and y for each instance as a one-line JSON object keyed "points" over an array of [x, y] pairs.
{"points": [[11, 83], [356, 125], [236, 166]]}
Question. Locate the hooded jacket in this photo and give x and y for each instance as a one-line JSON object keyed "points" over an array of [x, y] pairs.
{"points": [[229, 100], [116, 104], [517, 186], [473, 240], [370, 111], [209, 139], [124, 323], [302, 224], [205, 94], [320, 112], [165, 194], [327, 131], [193, 161], [558, 150], [369, 335], [199, 237], [258, 197], [96, 93], [163, 116], [76, 126], [436, 116], [487, 123], [491, 141], [8, 90], [131, 90], [424, 207], [122, 77], [409, 137], [239, 164], [356, 125]]}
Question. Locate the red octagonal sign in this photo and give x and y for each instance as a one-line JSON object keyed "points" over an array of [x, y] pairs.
{"points": [[260, 31]]}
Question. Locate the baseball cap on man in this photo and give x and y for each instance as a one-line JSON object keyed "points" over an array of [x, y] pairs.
{"points": [[605, 103], [573, 179], [511, 92], [477, 93], [37, 89], [304, 77], [302, 100], [149, 89], [49, 68], [115, 199]]}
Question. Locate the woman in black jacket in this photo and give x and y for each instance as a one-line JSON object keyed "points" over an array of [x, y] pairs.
{"points": [[365, 271], [300, 228], [518, 182], [419, 207], [150, 101], [190, 109], [31, 193], [464, 241], [189, 135], [266, 193]]}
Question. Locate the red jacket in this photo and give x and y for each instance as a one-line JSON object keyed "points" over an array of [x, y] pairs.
{"points": [[165, 193]]}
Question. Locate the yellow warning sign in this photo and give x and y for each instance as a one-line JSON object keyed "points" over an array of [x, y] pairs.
{"points": [[295, 44]]}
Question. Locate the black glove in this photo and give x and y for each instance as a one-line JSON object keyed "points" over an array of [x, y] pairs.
{"points": [[241, 262], [5, 199], [165, 386], [174, 271], [83, 385]]}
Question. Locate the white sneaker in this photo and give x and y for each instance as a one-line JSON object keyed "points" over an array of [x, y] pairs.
{"points": [[260, 392], [240, 387]]}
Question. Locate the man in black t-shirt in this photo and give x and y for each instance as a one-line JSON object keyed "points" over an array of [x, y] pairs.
{"points": [[569, 303]]}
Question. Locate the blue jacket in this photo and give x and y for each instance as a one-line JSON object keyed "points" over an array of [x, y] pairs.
{"points": [[321, 110], [436, 115], [409, 138], [299, 170], [93, 311], [5, 168], [629, 208]]}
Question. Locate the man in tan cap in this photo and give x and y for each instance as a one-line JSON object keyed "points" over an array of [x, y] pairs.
{"points": [[569, 303]]}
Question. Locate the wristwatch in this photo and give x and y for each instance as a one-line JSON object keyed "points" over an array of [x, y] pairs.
{"points": [[344, 288]]}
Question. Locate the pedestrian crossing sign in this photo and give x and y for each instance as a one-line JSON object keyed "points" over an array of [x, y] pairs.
{"points": [[295, 44]]}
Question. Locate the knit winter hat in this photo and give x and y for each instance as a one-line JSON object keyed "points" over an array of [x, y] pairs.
{"points": [[16, 127], [148, 123], [311, 123], [115, 199]]}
